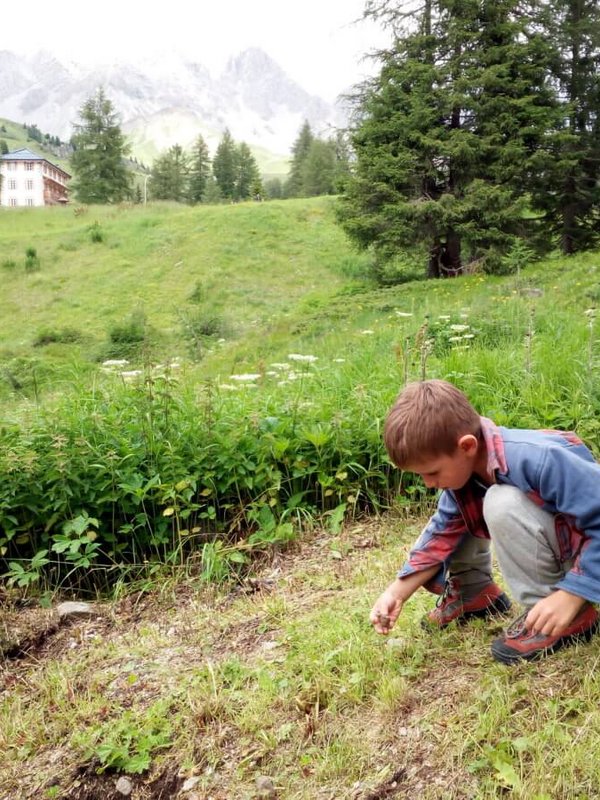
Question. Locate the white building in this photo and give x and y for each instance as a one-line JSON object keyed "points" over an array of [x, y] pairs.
{"points": [[30, 180]]}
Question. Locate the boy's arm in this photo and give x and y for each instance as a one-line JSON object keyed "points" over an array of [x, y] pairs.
{"points": [[387, 609]]}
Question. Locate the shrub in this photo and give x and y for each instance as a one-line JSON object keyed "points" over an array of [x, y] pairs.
{"points": [[9, 263], [125, 339], [199, 327], [96, 233], [32, 261], [57, 336]]}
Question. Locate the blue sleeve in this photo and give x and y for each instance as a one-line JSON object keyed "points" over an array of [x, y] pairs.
{"points": [[439, 538], [572, 485]]}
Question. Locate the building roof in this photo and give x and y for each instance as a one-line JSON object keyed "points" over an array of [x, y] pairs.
{"points": [[24, 154]]}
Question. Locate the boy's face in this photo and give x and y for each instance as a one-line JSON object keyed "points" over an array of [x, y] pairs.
{"points": [[447, 471]]}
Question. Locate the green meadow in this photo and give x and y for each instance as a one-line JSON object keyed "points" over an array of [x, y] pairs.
{"points": [[222, 493]]}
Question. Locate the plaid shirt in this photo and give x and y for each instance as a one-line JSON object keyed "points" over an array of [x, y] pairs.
{"points": [[555, 470]]}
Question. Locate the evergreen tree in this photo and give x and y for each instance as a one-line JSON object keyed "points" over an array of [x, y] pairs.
{"points": [[3, 147], [274, 188], [99, 149], [200, 170], [449, 134], [170, 176], [247, 183], [225, 166], [212, 193], [568, 190], [300, 150], [319, 169]]}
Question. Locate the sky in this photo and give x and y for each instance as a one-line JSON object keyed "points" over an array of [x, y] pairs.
{"points": [[317, 42]]}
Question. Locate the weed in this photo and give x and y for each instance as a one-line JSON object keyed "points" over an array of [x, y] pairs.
{"points": [[128, 744], [9, 263], [65, 335], [32, 261], [96, 233]]}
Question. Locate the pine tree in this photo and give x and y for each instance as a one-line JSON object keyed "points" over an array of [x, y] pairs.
{"points": [[568, 190], [319, 169], [200, 170], [300, 149], [225, 166], [448, 134], [99, 149], [170, 176], [248, 183]]}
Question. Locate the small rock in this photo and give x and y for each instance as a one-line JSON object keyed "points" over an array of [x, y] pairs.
{"points": [[265, 788], [272, 645], [72, 610], [396, 644], [190, 784], [124, 786]]}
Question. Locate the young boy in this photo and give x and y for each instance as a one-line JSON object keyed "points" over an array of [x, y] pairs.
{"points": [[536, 494]]}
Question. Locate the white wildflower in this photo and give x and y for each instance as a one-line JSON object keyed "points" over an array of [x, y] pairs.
{"points": [[282, 383], [115, 362], [280, 365], [131, 374], [247, 376], [468, 336], [271, 372], [339, 360], [300, 357], [174, 365], [405, 314], [445, 317], [459, 328], [229, 387], [367, 333], [590, 312], [455, 338]]}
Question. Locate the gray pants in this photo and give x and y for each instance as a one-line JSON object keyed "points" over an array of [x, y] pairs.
{"points": [[525, 543]]}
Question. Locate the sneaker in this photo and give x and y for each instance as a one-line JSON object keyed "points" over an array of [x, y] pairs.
{"points": [[519, 644], [451, 605]]}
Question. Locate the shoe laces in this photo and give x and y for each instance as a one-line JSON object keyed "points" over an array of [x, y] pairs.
{"points": [[518, 627], [451, 590]]}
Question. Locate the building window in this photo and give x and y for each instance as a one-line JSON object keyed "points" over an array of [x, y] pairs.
{"points": [[12, 184], [13, 201], [30, 185], [11, 166], [29, 166], [29, 201]]}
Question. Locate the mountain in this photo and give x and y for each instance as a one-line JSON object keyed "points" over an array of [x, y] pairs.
{"points": [[165, 99]]}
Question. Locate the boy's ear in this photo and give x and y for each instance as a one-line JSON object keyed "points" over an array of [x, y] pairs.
{"points": [[468, 444]]}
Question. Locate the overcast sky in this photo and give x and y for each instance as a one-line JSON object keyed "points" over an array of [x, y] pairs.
{"points": [[315, 41]]}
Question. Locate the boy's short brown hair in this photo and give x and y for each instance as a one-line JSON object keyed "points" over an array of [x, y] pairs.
{"points": [[427, 420]]}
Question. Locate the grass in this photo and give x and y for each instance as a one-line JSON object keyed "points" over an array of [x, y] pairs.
{"points": [[291, 682], [279, 674]]}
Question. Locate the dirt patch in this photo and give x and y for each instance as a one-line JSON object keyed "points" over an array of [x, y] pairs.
{"points": [[389, 788], [89, 786]]}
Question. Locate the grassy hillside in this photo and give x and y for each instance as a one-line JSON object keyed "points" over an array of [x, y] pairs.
{"points": [[268, 431], [16, 138], [250, 265]]}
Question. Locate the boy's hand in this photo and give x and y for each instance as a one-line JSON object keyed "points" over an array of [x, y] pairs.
{"points": [[386, 610], [554, 613]]}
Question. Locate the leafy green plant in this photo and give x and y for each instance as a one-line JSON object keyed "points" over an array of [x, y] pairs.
{"points": [[96, 233], [32, 261], [65, 335], [129, 743], [25, 573]]}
